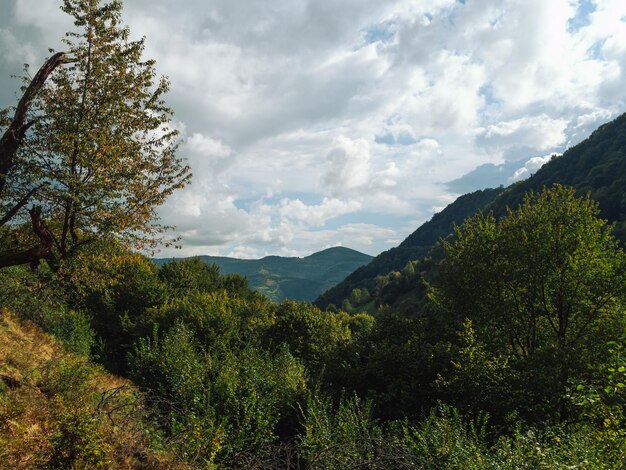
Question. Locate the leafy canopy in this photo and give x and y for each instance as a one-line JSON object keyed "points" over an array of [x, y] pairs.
{"points": [[101, 150], [543, 287]]}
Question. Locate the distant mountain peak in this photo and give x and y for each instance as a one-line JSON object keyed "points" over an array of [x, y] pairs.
{"points": [[281, 277], [336, 250]]}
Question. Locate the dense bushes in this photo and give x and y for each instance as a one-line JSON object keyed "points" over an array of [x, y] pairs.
{"points": [[515, 360]]}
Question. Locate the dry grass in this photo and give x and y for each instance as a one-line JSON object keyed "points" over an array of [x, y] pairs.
{"points": [[58, 409]]}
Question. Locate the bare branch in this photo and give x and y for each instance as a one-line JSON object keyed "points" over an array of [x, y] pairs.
{"points": [[22, 202], [14, 135]]}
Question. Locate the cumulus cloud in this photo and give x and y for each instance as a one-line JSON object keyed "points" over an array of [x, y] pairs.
{"points": [[300, 118], [348, 165], [536, 132], [531, 166], [317, 214]]}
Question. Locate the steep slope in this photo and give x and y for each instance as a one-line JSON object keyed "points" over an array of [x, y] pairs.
{"points": [[413, 247], [289, 277], [597, 166], [59, 410]]}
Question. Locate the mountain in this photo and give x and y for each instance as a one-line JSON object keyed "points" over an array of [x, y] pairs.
{"points": [[415, 246], [596, 166], [289, 277]]}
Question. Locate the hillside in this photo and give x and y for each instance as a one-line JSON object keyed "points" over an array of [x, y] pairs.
{"points": [[597, 166], [289, 277], [415, 246], [59, 410]]}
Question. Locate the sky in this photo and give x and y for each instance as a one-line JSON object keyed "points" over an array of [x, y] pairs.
{"points": [[318, 123]]}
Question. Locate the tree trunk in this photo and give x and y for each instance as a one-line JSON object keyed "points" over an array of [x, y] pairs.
{"points": [[33, 255], [14, 135], [9, 144]]}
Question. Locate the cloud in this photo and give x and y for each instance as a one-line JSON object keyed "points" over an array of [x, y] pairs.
{"points": [[531, 166], [315, 215], [13, 51], [301, 117], [348, 165], [535, 132]]}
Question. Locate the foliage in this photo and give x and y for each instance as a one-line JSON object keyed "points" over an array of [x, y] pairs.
{"points": [[551, 289], [344, 438], [395, 362], [226, 373], [78, 441], [504, 348], [61, 411], [239, 398], [29, 294], [312, 335], [414, 247], [596, 166], [101, 150], [190, 274]]}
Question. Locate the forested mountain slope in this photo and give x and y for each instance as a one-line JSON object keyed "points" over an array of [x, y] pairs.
{"points": [[294, 278], [597, 166], [415, 246]]}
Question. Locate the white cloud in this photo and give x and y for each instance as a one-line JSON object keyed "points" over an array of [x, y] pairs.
{"points": [[531, 166], [537, 132], [348, 165], [301, 117], [315, 215]]}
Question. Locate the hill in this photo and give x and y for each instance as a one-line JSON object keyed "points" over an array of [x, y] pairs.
{"points": [[596, 166], [415, 246], [59, 410], [294, 278]]}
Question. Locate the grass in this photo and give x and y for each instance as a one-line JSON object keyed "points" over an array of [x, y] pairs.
{"points": [[58, 410]]}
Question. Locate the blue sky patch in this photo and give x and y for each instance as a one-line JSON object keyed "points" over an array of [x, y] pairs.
{"points": [[380, 32], [390, 139], [585, 8], [486, 91], [595, 51]]}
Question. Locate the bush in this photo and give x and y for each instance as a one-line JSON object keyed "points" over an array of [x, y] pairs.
{"points": [[32, 297], [78, 442], [347, 438]]}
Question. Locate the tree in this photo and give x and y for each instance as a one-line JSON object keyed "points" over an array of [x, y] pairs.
{"points": [[544, 285], [100, 155], [11, 140]]}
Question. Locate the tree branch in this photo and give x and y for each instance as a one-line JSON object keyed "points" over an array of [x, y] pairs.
{"points": [[14, 135], [21, 203], [33, 255]]}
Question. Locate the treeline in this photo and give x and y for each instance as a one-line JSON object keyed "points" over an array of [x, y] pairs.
{"points": [[514, 361]]}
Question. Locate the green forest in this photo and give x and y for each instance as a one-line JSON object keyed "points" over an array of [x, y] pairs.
{"points": [[280, 277], [493, 338]]}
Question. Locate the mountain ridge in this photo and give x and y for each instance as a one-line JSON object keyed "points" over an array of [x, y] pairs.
{"points": [[297, 278], [596, 166], [415, 246]]}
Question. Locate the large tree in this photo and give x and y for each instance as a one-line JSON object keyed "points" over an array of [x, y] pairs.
{"points": [[544, 286], [96, 151]]}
